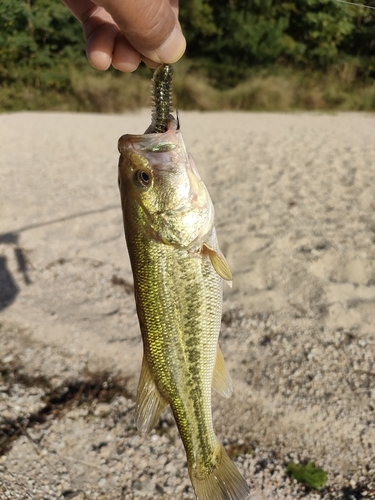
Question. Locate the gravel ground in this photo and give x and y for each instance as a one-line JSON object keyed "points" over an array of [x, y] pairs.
{"points": [[295, 204]]}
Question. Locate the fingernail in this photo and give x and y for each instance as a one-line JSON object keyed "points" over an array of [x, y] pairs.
{"points": [[173, 48], [99, 60]]}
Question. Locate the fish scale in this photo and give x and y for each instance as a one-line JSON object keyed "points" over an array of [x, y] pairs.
{"points": [[181, 360]]}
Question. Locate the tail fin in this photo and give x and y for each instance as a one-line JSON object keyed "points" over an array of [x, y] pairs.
{"points": [[223, 483]]}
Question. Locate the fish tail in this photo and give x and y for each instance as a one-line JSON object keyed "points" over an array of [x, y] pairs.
{"points": [[223, 483]]}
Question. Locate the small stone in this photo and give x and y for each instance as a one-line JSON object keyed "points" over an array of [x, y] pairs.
{"points": [[102, 482], [170, 467], [105, 451], [143, 487], [102, 410], [74, 495]]}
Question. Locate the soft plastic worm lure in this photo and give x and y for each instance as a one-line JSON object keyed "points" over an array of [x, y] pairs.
{"points": [[161, 96]]}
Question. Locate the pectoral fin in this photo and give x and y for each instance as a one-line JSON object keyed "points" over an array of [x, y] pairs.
{"points": [[219, 263], [150, 403], [221, 380]]}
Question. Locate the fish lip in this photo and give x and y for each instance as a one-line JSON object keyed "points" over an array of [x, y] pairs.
{"points": [[151, 140], [160, 150], [148, 143]]}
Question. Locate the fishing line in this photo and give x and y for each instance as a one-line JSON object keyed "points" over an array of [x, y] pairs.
{"points": [[357, 4]]}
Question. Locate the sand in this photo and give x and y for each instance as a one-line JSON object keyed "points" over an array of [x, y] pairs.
{"points": [[295, 214]]}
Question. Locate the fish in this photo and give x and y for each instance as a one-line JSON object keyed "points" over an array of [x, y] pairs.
{"points": [[178, 271]]}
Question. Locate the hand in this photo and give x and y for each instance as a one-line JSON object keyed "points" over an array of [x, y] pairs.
{"points": [[124, 32]]}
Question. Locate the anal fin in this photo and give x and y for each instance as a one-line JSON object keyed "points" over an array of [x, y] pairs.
{"points": [[221, 380], [149, 403]]}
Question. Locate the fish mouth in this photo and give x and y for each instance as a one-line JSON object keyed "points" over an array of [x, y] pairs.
{"points": [[153, 142]]}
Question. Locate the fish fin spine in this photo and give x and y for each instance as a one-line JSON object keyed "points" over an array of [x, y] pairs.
{"points": [[223, 483], [221, 380], [149, 403]]}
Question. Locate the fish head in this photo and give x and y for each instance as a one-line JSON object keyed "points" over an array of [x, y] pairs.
{"points": [[152, 170], [159, 181]]}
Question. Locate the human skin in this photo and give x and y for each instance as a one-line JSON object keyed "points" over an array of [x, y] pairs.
{"points": [[124, 32]]}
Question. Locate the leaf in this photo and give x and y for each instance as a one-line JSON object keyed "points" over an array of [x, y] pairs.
{"points": [[308, 474]]}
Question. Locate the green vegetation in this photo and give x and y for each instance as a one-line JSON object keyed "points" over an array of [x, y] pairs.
{"points": [[242, 54], [308, 474]]}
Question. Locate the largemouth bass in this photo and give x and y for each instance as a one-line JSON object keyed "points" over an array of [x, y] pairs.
{"points": [[178, 272]]}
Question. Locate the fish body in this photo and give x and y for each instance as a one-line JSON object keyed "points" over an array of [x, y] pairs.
{"points": [[178, 274]]}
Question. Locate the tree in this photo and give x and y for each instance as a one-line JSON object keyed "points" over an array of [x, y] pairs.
{"points": [[37, 38], [232, 36]]}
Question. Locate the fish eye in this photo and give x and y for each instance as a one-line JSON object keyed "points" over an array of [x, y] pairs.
{"points": [[141, 178]]}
